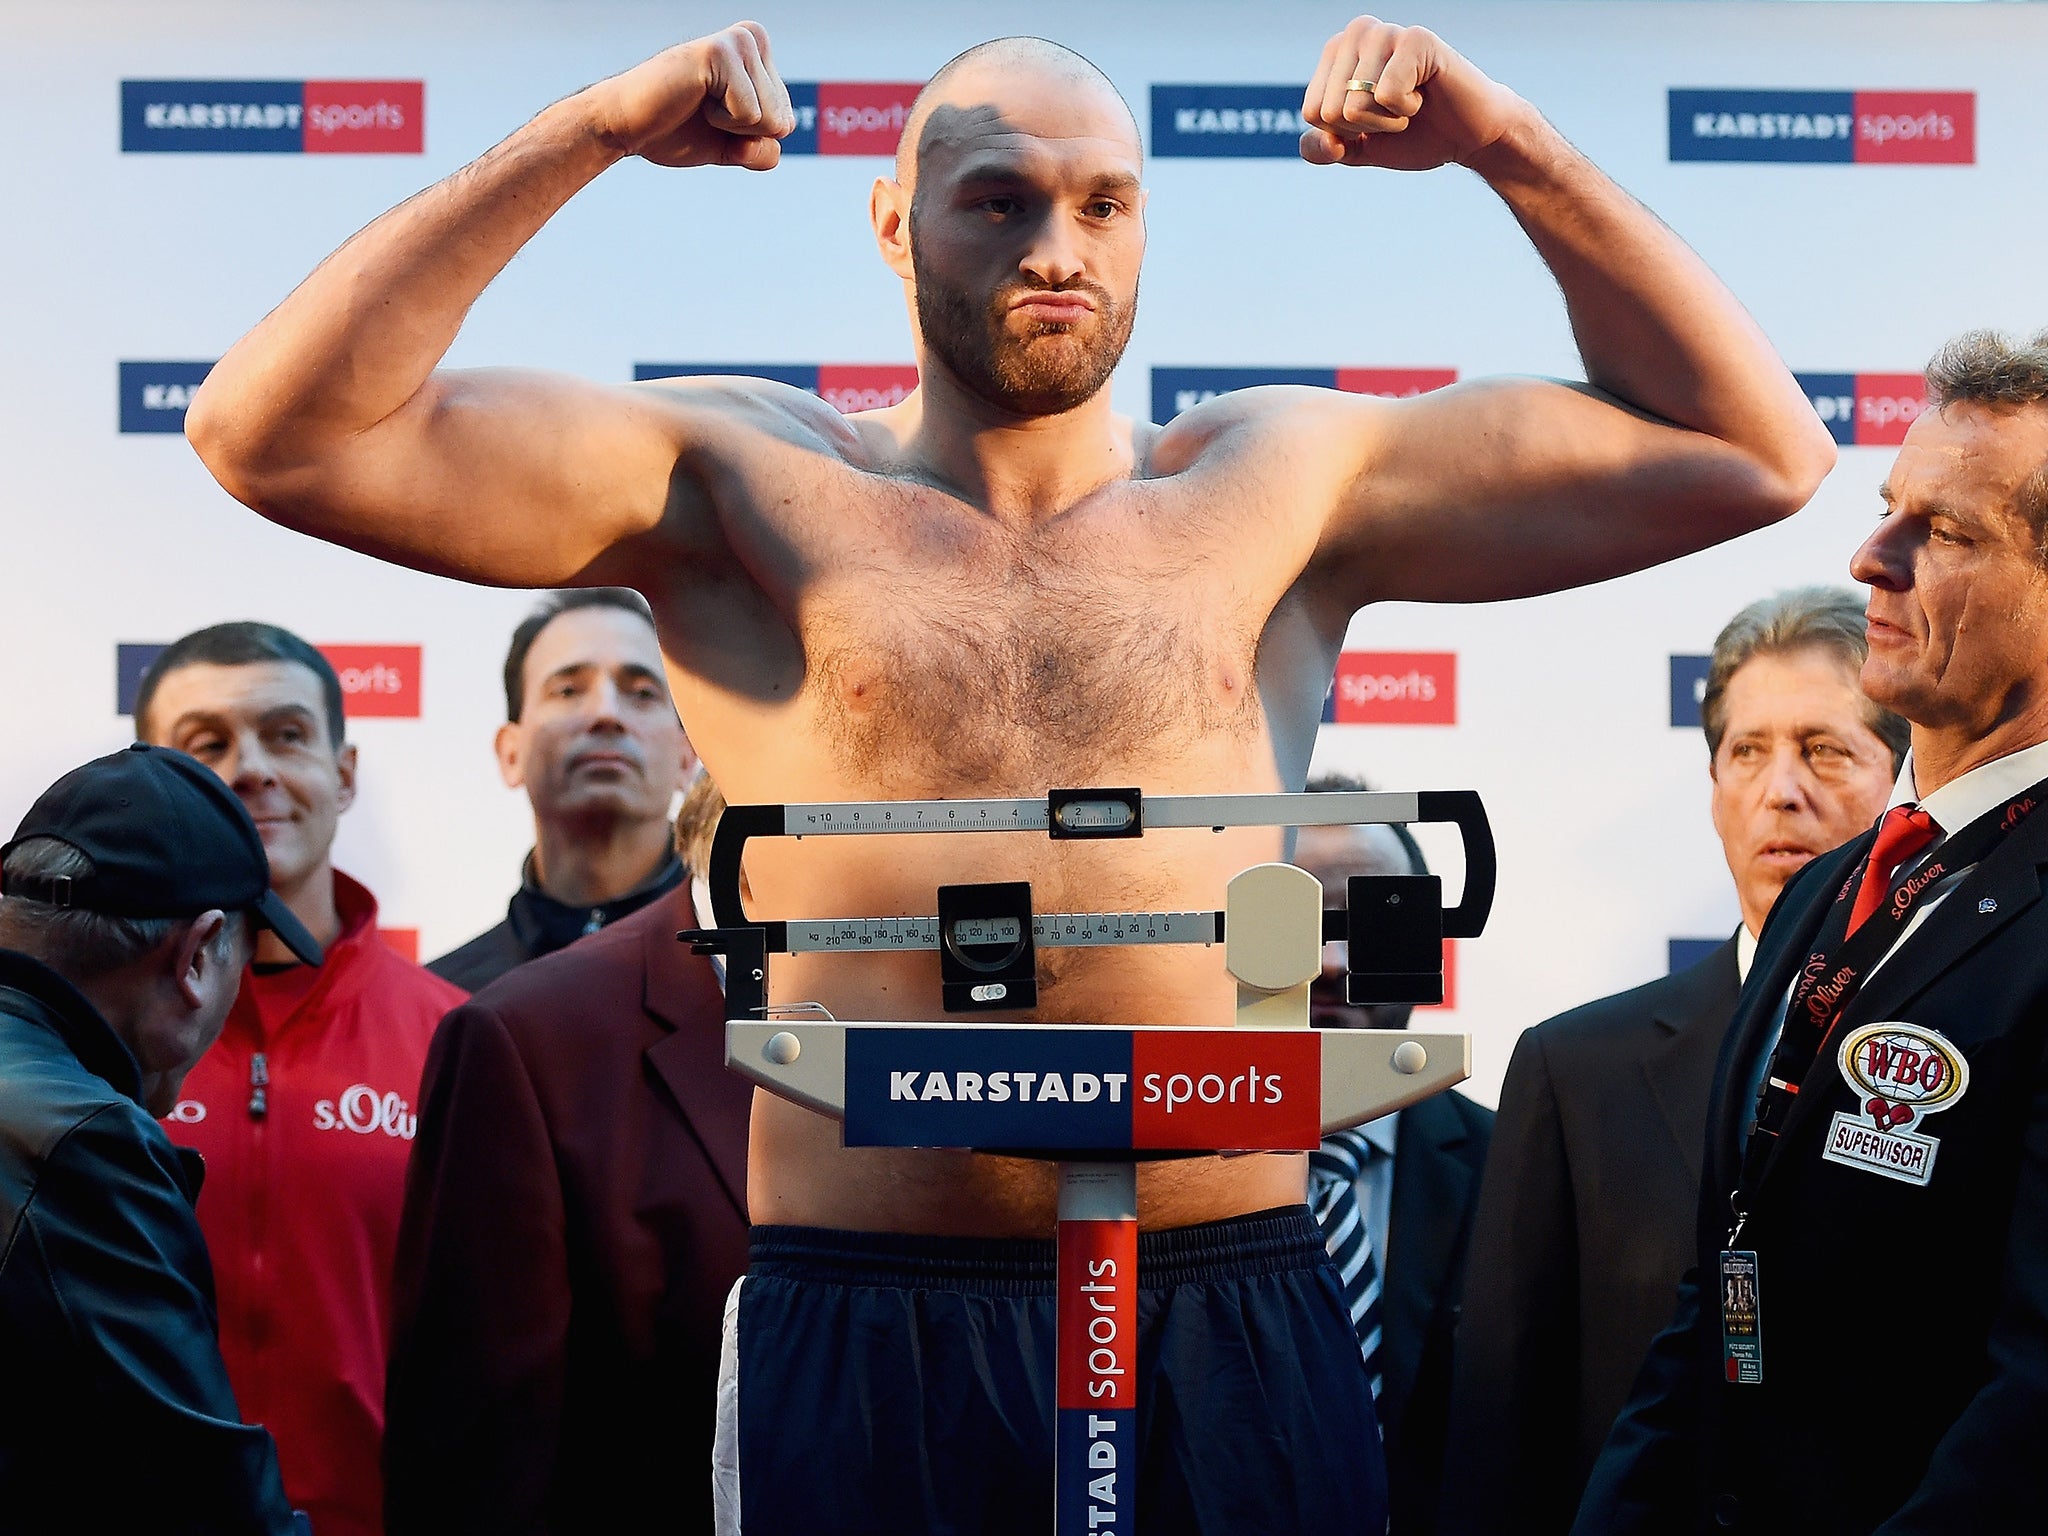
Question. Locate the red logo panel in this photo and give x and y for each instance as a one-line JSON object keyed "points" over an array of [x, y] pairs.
{"points": [[1397, 688], [365, 117], [1887, 404], [1098, 1314], [1916, 127], [1232, 1091], [405, 940], [862, 118], [1394, 383], [865, 386], [377, 680]]}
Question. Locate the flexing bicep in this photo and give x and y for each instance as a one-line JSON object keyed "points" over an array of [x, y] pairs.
{"points": [[508, 476], [1513, 487]]}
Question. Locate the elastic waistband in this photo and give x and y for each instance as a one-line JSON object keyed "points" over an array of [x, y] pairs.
{"points": [[1239, 1247]]}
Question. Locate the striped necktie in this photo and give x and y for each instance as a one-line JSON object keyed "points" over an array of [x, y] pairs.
{"points": [[1334, 1168]]}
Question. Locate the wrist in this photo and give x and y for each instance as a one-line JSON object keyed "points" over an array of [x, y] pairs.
{"points": [[586, 126], [1525, 153]]}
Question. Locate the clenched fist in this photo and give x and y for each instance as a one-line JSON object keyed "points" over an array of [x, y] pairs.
{"points": [[1420, 103], [715, 101]]}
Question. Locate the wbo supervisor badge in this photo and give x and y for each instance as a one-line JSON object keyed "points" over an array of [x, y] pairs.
{"points": [[1901, 1073]]}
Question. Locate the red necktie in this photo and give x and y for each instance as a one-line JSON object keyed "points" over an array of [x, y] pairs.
{"points": [[1905, 831]]}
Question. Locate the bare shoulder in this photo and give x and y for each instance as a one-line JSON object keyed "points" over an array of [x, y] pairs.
{"points": [[730, 410], [1266, 419]]}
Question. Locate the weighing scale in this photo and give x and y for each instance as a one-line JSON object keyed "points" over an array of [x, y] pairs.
{"points": [[1099, 1099]]}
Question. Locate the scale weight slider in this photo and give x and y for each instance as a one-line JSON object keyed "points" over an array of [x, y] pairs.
{"points": [[988, 957]]}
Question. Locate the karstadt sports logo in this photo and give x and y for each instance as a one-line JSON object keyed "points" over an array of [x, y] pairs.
{"points": [[1688, 690], [1866, 409], [273, 117], [377, 681], [154, 395], [1394, 688], [848, 117], [1825, 127], [1227, 122], [1182, 389], [848, 387]]}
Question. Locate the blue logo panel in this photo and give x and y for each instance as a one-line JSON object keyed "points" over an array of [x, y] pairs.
{"points": [[1227, 121], [1180, 389], [1688, 689], [1834, 401], [130, 662], [803, 101], [1684, 954], [1095, 1476], [154, 395], [802, 375], [987, 1088], [234, 117], [1814, 127]]}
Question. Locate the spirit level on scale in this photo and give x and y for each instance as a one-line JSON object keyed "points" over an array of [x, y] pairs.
{"points": [[1099, 1099]]}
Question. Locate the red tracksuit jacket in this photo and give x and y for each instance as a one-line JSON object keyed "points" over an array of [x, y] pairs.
{"points": [[305, 1111]]}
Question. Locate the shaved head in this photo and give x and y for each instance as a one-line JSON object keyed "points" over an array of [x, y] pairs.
{"points": [[1009, 64]]}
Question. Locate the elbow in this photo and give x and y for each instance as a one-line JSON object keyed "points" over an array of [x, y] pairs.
{"points": [[240, 451], [1786, 480]]}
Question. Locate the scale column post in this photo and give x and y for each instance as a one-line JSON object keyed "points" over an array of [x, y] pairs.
{"points": [[1095, 1412]]}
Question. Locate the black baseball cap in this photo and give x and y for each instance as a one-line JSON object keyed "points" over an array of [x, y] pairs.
{"points": [[166, 837]]}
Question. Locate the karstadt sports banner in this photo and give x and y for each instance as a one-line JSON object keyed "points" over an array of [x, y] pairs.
{"points": [[1825, 127], [273, 117], [1180, 389], [848, 386], [848, 117]]}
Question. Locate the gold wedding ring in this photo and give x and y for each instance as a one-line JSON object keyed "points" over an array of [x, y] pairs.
{"points": [[1359, 85]]}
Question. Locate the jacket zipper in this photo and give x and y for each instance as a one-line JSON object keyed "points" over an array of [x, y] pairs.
{"points": [[259, 1086]]}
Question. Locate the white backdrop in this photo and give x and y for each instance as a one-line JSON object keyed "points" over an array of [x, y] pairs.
{"points": [[1562, 715]]}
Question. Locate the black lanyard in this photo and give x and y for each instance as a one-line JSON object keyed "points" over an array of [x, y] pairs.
{"points": [[1842, 961]]}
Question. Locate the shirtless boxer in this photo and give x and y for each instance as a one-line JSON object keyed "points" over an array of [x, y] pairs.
{"points": [[992, 588]]}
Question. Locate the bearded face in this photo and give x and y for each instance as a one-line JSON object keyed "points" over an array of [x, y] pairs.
{"points": [[1026, 366]]}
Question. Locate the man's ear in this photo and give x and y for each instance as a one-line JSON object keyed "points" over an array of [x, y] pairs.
{"points": [[510, 745], [345, 771], [195, 957], [889, 211]]}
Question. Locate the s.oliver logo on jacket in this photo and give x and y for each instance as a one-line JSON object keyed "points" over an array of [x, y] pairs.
{"points": [[273, 117], [363, 1110]]}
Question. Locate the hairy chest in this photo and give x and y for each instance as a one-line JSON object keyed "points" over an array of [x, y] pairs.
{"points": [[953, 650]]}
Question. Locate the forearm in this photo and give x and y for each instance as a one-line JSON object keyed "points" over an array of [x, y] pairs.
{"points": [[359, 338], [1656, 328]]}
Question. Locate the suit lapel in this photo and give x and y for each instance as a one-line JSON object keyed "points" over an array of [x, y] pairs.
{"points": [[1432, 1186], [2009, 881], [1680, 1071], [682, 991]]}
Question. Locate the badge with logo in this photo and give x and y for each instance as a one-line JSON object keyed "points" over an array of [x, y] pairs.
{"points": [[1901, 1073]]}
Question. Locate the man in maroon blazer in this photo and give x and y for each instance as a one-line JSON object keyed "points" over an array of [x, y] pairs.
{"points": [[575, 1213]]}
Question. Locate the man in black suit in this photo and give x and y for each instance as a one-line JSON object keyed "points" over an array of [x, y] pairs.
{"points": [[1585, 1219], [1413, 1195], [1864, 1343]]}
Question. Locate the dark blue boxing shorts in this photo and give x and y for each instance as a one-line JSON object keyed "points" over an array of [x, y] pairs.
{"points": [[882, 1383]]}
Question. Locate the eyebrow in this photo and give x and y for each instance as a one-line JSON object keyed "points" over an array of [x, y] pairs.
{"points": [[218, 719], [630, 668]]}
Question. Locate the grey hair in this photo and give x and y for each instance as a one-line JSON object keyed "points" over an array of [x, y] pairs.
{"points": [[1988, 369], [77, 944], [1828, 619]]}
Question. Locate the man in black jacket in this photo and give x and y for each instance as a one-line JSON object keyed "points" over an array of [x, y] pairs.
{"points": [[126, 899], [1863, 1346], [1585, 1219], [592, 737], [1414, 1181]]}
